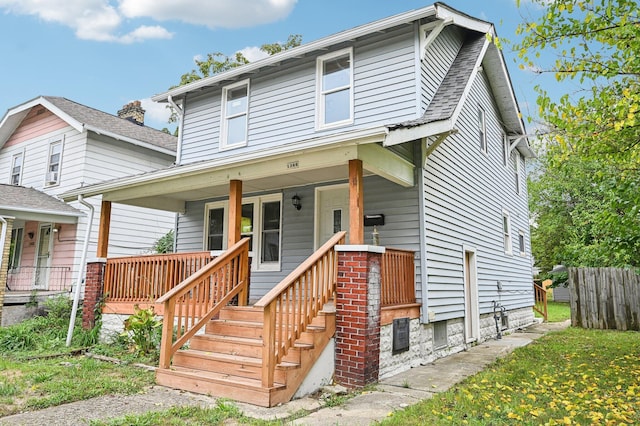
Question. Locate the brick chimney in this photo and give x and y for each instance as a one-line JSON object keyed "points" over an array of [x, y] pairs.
{"points": [[133, 112]]}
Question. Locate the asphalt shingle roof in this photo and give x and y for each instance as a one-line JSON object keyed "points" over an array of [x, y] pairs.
{"points": [[102, 120], [20, 198]]}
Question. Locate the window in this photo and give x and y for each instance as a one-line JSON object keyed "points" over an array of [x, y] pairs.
{"points": [[16, 169], [261, 222], [506, 232], [335, 89], [235, 111], [482, 130], [516, 167], [15, 248], [505, 150], [521, 243], [55, 158]]}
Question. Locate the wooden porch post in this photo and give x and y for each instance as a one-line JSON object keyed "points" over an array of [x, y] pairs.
{"points": [[235, 211], [356, 203], [103, 231]]}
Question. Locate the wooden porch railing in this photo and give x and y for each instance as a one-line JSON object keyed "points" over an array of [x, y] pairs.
{"points": [[145, 278], [290, 307], [540, 305], [200, 297], [398, 277]]}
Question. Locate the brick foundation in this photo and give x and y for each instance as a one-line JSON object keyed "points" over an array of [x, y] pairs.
{"points": [[357, 357], [92, 293]]}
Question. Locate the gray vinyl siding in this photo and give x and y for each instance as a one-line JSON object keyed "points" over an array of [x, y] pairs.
{"points": [[437, 61], [465, 194], [399, 205], [282, 103]]}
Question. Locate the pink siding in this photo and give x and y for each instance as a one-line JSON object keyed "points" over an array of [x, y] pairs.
{"points": [[63, 245], [38, 122]]}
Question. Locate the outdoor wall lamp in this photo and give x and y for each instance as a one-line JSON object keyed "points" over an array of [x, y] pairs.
{"points": [[30, 235], [295, 200]]}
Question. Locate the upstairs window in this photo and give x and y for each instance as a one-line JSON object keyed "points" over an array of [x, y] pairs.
{"points": [[505, 150], [55, 159], [16, 169], [482, 130], [335, 89], [506, 232], [235, 112], [521, 245], [516, 168]]}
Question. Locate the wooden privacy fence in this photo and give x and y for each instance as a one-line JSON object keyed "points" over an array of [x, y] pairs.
{"points": [[605, 298]]}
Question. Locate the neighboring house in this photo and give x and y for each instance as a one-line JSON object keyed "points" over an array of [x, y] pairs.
{"points": [[49, 145], [406, 128]]}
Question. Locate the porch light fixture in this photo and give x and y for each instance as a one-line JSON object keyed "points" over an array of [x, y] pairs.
{"points": [[295, 200], [30, 235]]}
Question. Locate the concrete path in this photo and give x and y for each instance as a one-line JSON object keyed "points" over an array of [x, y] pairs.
{"points": [[391, 394]]}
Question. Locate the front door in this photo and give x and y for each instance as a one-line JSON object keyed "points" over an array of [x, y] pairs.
{"points": [[43, 257], [332, 213]]}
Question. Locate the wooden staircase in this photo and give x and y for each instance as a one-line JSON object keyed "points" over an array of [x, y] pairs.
{"points": [[227, 360]]}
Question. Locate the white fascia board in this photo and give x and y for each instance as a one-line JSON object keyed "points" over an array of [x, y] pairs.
{"points": [[300, 51], [71, 217], [402, 135], [132, 141], [372, 135], [444, 12]]}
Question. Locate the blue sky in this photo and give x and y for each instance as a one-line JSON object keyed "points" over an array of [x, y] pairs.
{"points": [[106, 53]]}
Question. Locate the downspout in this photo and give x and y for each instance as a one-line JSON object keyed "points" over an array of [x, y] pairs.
{"points": [[180, 113], [82, 271]]}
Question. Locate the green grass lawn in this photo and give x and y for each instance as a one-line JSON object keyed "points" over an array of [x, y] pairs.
{"points": [[556, 312]]}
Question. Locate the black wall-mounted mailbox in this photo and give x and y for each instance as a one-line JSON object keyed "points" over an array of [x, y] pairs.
{"points": [[373, 219]]}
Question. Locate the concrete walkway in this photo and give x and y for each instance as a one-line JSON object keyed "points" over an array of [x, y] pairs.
{"points": [[391, 394]]}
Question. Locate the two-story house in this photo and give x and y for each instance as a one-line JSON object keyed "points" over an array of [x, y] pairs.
{"points": [[404, 132], [49, 145]]}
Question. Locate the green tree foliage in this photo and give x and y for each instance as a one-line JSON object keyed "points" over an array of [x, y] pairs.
{"points": [[164, 244], [585, 198]]}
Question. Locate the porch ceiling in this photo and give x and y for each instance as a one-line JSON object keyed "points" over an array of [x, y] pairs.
{"points": [[268, 174]]}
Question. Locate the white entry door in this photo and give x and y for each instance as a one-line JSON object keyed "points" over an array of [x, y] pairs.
{"points": [[43, 257], [332, 214]]}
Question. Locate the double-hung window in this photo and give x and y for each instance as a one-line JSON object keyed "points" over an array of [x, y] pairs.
{"points": [[52, 176], [16, 169], [335, 89], [521, 244], [235, 114], [506, 232], [482, 129], [261, 222], [15, 249]]}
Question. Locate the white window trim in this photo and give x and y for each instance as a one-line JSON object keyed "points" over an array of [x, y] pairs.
{"points": [[506, 236], [17, 254], [320, 125], [255, 254], [13, 164], [52, 143], [482, 129], [523, 248], [517, 173], [223, 118]]}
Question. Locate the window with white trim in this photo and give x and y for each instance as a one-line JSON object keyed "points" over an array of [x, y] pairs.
{"points": [[261, 222], [15, 248], [334, 75], [516, 168], [482, 129], [506, 232], [52, 176], [16, 168], [505, 150], [521, 244], [235, 114]]}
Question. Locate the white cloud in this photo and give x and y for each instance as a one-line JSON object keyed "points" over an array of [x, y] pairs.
{"points": [[253, 53], [155, 112], [218, 13]]}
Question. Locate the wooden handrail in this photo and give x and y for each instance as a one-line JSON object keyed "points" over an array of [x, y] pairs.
{"points": [[398, 277], [540, 304], [137, 279], [200, 297], [292, 305]]}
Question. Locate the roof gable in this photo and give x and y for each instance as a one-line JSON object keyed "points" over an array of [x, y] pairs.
{"points": [[84, 118]]}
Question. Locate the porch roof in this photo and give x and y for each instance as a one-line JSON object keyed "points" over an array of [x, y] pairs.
{"points": [[30, 204], [307, 162]]}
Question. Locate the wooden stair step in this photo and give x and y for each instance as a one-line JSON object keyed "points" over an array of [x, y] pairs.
{"points": [[243, 346]]}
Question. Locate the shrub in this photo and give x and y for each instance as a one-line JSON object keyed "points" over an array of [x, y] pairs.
{"points": [[144, 332]]}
